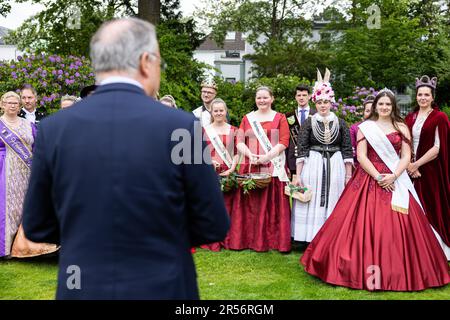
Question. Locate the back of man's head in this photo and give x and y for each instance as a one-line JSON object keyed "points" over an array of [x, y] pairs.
{"points": [[119, 44]]}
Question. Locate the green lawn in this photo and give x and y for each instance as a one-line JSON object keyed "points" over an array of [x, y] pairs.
{"points": [[242, 275]]}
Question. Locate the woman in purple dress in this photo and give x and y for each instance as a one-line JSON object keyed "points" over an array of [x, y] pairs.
{"points": [[16, 141]]}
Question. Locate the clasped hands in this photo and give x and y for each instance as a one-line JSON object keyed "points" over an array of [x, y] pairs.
{"points": [[386, 181], [413, 170], [256, 159]]}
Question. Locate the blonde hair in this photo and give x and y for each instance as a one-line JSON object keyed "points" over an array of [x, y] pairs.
{"points": [[217, 101], [265, 88], [170, 99], [10, 94]]}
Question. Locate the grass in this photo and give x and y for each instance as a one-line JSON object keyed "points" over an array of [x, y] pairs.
{"points": [[226, 275]]}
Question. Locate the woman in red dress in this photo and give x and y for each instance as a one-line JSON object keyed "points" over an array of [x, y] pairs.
{"points": [[221, 139], [378, 237], [430, 165], [260, 220]]}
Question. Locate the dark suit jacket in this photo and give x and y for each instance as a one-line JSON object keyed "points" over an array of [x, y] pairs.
{"points": [[40, 114], [103, 185], [294, 128]]}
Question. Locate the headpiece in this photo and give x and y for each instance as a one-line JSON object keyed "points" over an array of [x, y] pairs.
{"points": [[370, 98], [209, 83], [385, 90], [322, 88], [427, 82]]}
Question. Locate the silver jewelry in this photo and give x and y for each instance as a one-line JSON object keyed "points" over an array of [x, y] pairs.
{"points": [[328, 135]]}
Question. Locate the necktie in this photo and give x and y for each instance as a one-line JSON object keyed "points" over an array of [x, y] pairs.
{"points": [[302, 116]]}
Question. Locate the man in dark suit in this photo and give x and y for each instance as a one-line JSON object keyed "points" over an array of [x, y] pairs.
{"points": [[110, 184], [295, 120], [28, 97]]}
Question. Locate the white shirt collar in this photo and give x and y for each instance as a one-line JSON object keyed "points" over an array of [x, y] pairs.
{"points": [[28, 112], [120, 79], [307, 108], [329, 117]]}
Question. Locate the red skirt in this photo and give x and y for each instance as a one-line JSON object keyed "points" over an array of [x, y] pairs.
{"points": [[364, 244], [261, 220]]}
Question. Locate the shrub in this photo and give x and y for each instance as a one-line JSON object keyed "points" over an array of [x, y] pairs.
{"points": [[53, 76]]}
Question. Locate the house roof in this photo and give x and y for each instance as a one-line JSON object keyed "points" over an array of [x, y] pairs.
{"points": [[238, 44]]}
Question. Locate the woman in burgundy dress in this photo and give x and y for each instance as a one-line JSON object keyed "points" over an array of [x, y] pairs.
{"points": [[378, 237], [221, 139], [430, 165], [260, 220]]}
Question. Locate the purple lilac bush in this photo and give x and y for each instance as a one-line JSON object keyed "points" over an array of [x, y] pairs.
{"points": [[53, 76]]}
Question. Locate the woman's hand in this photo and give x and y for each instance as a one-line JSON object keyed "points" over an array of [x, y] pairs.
{"points": [[416, 174], [386, 181], [215, 164], [412, 168], [254, 158], [264, 159], [226, 173]]}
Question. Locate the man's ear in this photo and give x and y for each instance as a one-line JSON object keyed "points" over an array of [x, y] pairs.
{"points": [[144, 64]]}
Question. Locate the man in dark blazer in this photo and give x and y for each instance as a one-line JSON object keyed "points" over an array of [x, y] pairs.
{"points": [[28, 98], [112, 181], [295, 120]]}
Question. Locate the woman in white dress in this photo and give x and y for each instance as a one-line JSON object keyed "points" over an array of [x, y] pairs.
{"points": [[324, 163]]}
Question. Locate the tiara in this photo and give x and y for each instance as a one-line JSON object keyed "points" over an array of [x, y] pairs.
{"points": [[426, 81], [385, 90]]}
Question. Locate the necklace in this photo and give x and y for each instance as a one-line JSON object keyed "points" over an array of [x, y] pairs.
{"points": [[11, 122], [327, 135]]}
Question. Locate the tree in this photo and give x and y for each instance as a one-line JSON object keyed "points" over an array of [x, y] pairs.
{"points": [[277, 29], [149, 10], [404, 46]]}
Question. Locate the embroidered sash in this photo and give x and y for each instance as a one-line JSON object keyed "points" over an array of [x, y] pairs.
{"points": [[279, 161], [219, 146], [13, 140], [385, 150]]}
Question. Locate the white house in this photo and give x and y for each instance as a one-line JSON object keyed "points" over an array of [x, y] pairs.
{"points": [[7, 52], [229, 62]]}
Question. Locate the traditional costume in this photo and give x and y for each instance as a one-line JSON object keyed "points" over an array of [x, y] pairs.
{"points": [[324, 146]]}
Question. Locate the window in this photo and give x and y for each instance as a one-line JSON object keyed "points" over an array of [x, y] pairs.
{"points": [[230, 36]]}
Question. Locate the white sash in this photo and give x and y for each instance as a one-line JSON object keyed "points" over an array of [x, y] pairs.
{"points": [[279, 161], [219, 146], [385, 150]]}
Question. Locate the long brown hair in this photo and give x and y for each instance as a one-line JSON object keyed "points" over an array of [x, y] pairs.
{"points": [[395, 113]]}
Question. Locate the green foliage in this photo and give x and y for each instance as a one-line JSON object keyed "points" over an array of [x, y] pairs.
{"points": [[53, 76], [446, 110]]}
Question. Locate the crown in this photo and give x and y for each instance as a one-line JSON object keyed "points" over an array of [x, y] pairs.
{"points": [[209, 84], [426, 81], [385, 90], [368, 99]]}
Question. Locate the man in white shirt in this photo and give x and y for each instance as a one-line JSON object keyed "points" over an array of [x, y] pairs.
{"points": [[209, 92], [28, 96]]}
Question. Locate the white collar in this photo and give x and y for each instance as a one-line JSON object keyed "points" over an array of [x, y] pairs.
{"points": [[307, 108], [28, 112], [329, 117], [120, 79]]}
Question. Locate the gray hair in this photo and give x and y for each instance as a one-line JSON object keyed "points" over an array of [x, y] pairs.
{"points": [[119, 44]]}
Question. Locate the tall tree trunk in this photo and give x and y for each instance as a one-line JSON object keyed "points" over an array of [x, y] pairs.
{"points": [[149, 10]]}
